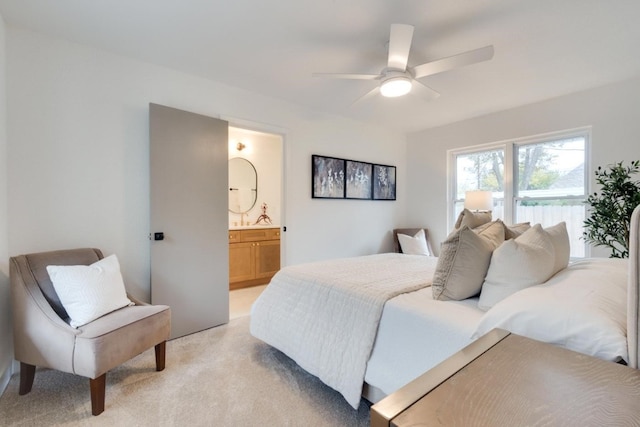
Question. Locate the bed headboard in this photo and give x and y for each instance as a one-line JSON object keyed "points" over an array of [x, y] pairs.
{"points": [[409, 232], [633, 293]]}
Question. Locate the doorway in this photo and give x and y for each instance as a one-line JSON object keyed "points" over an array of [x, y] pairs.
{"points": [[255, 206]]}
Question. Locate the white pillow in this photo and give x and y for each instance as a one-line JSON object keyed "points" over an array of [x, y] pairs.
{"points": [[561, 246], [518, 263], [582, 308], [416, 245], [89, 292]]}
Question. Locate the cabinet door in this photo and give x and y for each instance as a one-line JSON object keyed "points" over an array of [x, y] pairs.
{"points": [[241, 262], [267, 258]]}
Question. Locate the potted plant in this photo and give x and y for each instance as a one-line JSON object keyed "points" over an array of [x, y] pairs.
{"points": [[610, 211]]}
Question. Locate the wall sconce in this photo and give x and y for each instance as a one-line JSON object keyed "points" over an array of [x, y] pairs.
{"points": [[240, 146], [478, 200]]}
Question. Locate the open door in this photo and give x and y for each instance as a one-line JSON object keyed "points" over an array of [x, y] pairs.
{"points": [[189, 220]]}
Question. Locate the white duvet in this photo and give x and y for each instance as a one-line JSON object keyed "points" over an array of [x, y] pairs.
{"points": [[325, 315]]}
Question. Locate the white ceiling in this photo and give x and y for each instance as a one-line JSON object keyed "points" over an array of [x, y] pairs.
{"points": [[543, 48]]}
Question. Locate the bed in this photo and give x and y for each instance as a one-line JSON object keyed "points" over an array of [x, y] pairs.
{"points": [[368, 325]]}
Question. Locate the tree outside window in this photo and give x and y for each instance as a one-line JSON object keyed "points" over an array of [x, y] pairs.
{"points": [[538, 181]]}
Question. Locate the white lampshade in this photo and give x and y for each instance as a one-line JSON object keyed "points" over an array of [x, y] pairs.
{"points": [[395, 86], [478, 200]]}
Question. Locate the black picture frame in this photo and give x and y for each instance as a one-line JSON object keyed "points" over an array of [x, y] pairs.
{"points": [[384, 182], [358, 180], [327, 177]]}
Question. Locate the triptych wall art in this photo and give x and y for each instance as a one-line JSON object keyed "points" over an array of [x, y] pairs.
{"points": [[333, 178]]}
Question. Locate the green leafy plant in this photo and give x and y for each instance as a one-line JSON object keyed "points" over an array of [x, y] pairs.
{"points": [[610, 211]]}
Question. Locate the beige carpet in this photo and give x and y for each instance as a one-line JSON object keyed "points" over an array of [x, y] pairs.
{"points": [[219, 377]]}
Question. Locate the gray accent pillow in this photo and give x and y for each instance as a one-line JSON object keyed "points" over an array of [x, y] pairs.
{"points": [[464, 259]]}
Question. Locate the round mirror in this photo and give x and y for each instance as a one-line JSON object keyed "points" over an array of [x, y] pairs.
{"points": [[243, 185]]}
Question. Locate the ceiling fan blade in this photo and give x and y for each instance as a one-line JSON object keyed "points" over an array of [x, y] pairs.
{"points": [[455, 61], [399, 46], [367, 96], [423, 91], [347, 76]]}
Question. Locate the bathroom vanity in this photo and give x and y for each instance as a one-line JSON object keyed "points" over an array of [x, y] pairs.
{"points": [[254, 255]]}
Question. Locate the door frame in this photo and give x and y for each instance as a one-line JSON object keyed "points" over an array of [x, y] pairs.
{"points": [[282, 133]]}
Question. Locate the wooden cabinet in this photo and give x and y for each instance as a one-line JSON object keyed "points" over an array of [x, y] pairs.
{"points": [[254, 256]]}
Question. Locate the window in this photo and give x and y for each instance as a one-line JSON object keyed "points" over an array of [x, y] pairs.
{"points": [[537, 180]]}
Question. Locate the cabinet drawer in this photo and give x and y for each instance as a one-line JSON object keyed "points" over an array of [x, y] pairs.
{"points": [[274, 233], [256, 235], [234, 236]]}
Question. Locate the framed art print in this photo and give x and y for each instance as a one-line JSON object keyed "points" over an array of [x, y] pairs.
{"points": [[327, 177], [384, 182], [358, 180]]}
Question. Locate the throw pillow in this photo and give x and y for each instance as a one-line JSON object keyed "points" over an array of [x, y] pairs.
{"points": [[518, 263], [561, 246], [416, 245], [513, 231], [463, 262], [89, 291], [472, 219]]}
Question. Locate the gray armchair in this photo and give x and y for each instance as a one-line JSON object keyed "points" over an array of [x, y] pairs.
{"points": [[43, 336]]}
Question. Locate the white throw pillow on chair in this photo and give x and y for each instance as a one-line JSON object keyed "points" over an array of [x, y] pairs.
{"points": [[89, 291], [416, 245]]}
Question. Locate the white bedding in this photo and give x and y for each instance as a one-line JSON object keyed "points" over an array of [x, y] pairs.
{"points": [[325, 315], [416, 333]]}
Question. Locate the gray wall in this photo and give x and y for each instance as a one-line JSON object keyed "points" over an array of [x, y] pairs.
{"points": [[612, 111], [6, 344]]}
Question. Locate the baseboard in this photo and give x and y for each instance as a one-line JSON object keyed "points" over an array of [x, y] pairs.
{"points": [[5, 376]]}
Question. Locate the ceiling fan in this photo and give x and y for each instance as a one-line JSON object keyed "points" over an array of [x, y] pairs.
{"points": [[396, 79]]}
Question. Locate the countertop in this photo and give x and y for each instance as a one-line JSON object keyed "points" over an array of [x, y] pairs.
{"points": [[252, 227]]}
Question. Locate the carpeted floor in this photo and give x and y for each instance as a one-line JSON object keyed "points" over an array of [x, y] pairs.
{"points": [[219, 377]]}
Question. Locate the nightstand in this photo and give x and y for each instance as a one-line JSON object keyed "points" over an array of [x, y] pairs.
{"points": [[504, 379]]}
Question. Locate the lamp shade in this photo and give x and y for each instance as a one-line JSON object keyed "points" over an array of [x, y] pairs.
{"points": [[478, 200]]}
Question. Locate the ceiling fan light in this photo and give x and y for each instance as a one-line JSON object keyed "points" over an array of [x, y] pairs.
{"points": [[395, 86]]}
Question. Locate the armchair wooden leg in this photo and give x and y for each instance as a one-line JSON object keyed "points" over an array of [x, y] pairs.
{"points": [[160, 355], [27, 374], [97, 394]]}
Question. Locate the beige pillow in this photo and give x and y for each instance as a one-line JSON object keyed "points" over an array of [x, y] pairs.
{"points": [[472, 219], [513, 231], [518, 263], [463, 262], [561, 246]]}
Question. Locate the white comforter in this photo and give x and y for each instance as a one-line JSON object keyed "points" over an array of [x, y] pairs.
{"points": [[325, 315]]}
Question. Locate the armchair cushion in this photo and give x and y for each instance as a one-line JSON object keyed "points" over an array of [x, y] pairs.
{"points": [[88, 292], [116, 337]]}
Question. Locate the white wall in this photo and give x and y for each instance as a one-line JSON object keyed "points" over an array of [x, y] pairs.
{"points": [[78, 156], [612, 111], [264, 151]]}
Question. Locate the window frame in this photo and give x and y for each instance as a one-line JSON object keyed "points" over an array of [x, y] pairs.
{"points": [[510, 164]]}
